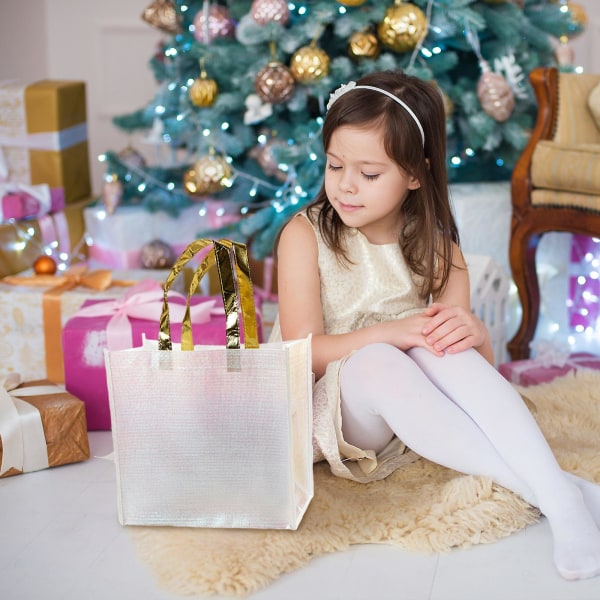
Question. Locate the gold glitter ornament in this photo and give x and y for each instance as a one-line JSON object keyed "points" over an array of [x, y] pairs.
{"points": [[309, 64], [403, 26], [351, 2], [363, 44], [274, 83], [162, 15], [579, 17], [208, 175], [203, 92]]}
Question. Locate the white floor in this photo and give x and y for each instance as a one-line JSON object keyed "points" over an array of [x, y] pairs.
{"points": [[60, 540]]}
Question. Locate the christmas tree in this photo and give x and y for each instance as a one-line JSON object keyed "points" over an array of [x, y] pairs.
{"points": [[242, 88]]}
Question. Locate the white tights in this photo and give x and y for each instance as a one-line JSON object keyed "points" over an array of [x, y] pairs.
{"points": [[459, 412]]}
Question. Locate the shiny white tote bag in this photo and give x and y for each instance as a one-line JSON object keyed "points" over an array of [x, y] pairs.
{"points": [[211, 436]]}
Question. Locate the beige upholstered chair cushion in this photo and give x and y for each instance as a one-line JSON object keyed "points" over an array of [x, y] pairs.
{"points": [[565, 167], [594, 104], [575, 123]]}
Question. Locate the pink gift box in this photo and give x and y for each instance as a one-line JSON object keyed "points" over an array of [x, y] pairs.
{"points": [[84, 339], [533, 372]]}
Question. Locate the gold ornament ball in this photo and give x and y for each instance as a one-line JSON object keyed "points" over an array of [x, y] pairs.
{"points": [[203, 91], [207, 175], [578, 15], [402, 27], [309, 64], [44, 265], [274, 83], [351, 2], [363, 44]]}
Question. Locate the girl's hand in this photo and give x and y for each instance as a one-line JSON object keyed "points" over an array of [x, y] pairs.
{"points": [[407, 333], [452, 329]]}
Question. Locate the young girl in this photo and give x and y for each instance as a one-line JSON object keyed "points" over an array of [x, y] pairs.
{"points": [[373, 270]]}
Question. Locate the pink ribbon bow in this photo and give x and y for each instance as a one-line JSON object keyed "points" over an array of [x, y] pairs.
{"points": [[143, 301]]}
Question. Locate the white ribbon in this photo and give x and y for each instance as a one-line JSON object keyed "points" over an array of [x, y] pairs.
{"points": [[48, 140], [23, 439]]}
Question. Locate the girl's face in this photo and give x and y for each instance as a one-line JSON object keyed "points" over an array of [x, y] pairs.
{"points": [[364, 185]]}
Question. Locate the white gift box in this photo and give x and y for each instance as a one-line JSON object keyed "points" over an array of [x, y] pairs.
{"points": [[116, 239]]}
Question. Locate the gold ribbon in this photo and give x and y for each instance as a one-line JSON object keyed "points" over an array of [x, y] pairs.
{"points": [[51, 306], [23, 439]]}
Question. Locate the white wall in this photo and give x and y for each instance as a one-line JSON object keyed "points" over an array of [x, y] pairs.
{"points": [[108, 45]]}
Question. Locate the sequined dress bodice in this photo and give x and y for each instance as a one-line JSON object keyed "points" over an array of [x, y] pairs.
{"points": [[375, 286]]}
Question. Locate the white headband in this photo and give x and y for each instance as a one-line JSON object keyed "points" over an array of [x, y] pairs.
{"points": [[351, 85]]}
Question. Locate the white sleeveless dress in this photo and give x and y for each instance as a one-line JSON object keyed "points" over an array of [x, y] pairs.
{"points": [[375, 286]]}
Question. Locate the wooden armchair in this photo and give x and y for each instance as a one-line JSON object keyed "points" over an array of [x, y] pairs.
{"points": [[555, 184]]}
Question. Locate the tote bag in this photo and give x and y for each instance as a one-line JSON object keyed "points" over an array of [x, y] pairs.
{"points": [[211, 436]]}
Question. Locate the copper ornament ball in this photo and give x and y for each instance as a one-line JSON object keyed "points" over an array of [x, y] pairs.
{"points": [[274, 83], [44, 265], [157, 255], [270, 11]]}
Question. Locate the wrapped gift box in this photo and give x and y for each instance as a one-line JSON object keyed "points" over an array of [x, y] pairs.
{"points": [[43, 136], [51, 428], [116, 239], [21, 242], [34, 309], [533, 371], [90, 331]]}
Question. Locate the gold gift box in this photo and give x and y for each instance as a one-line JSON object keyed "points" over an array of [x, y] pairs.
{"points": [[18, 252], [64, 424], [48, 106]]}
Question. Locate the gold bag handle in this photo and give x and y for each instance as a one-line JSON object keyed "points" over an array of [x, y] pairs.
{"points": [[233, 267]]}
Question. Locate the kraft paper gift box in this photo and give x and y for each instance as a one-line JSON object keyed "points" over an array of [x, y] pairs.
{"points": [[21, 242], [35, 308], [43, 136], [124, 323], [41, 426], [534, 371]]}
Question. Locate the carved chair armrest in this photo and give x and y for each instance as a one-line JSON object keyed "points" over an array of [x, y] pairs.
{"points": [[545, 85]]}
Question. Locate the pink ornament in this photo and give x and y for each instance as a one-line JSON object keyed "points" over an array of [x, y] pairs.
{"points": [[495, 95], [565, 55], [217, 24], [270, 11]]}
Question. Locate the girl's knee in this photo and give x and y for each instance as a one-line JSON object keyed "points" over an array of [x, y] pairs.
{"points": [[376, 354]]}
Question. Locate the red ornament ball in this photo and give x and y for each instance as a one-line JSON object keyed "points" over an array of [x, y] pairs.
{"points": [[44, 265]]}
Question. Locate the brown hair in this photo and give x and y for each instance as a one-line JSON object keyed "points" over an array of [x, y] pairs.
{"points": [[429, 226]]}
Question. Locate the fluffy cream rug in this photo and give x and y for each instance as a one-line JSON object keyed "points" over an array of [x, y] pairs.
{"points": [[422, 508]]}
